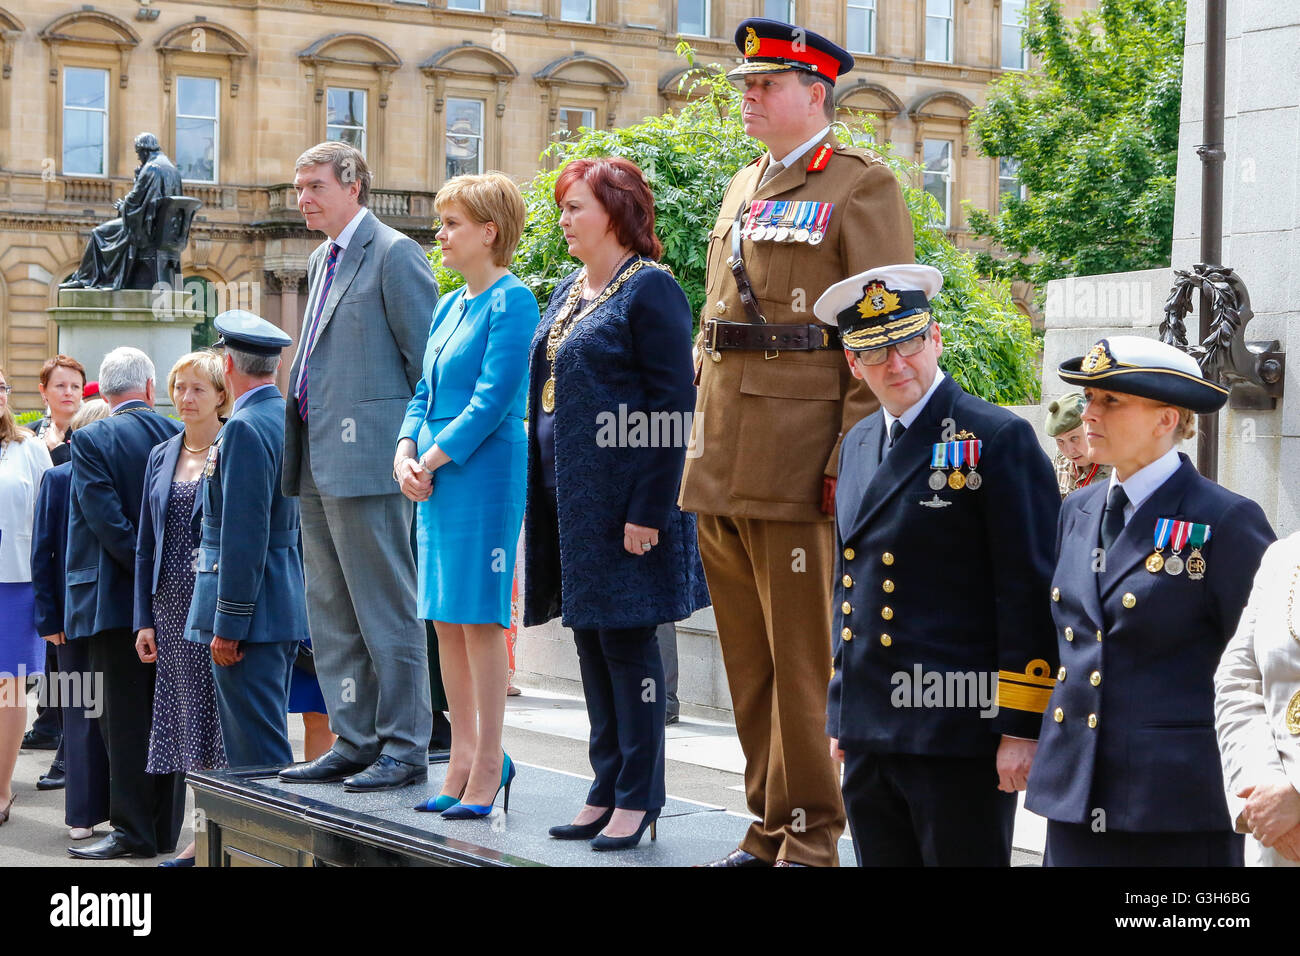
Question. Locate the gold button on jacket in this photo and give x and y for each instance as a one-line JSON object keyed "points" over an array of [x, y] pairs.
{"points": [[887, 613], [1058, 715], [886, 640], [1095, 678], [846, 581], [849, 554], [1129, 600], [1056, 594], [1060, 675], [846, 634], [887, 586], [1069, 633], [887, 558], [846, 607], [1092, 720]]}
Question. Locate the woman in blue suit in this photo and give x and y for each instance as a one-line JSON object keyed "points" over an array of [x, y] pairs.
{"points": [[461, 455]]}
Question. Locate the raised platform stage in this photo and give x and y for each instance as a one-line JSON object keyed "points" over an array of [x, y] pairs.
{"points": [[250, 818]]}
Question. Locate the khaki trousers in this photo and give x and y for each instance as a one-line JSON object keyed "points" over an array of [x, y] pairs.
{"points": [[771, 588]]}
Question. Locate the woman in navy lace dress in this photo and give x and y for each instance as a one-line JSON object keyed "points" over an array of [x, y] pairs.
{"points": [[186, 732], [607, 550]]}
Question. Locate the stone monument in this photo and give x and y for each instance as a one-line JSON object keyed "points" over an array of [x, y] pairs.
{"points": [[128, 289]]}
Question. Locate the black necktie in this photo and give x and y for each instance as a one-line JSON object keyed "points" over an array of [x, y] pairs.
{"points": [[1112, 519], [895, 433]]}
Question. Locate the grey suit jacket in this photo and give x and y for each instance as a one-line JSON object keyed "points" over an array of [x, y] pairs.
{"points": [[365, 365]]}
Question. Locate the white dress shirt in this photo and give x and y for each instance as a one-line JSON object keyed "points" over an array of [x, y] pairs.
{"points": [[1142, 484], [342, 241], [913, 413]]}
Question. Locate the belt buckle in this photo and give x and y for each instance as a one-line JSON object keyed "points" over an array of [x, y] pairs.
{"points": [[769, 354], [711, 341]]}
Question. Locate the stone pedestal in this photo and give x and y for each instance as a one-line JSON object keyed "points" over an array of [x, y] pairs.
{"points": [[93, 322]]}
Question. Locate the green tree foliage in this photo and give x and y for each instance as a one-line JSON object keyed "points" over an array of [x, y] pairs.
{"points": [[1097, 138], [690, 154]]}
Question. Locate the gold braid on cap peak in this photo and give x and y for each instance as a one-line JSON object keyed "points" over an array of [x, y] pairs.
{"points": [[874, 336]]}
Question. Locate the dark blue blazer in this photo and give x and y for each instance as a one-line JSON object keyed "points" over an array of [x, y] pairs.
{"points": [[955, 588], [153, 524], [1138, 653], [248, 582], [109, 459], [50, 547], [633, 351]]}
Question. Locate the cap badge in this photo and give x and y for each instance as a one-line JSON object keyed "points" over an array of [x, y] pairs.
{"points": [[751, 42], [1097, 360], [877, 300]]}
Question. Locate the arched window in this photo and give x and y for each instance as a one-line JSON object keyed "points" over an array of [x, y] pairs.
{"points": [[468, 86], [940, 122], [202, 66], [580, 85], [349, 75], [874, 99], [89, 53]]}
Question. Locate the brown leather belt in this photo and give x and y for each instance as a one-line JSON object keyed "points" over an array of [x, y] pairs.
{"points": [[772, 337]]}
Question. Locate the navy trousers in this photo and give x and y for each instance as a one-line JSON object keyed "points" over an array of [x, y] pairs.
{"points": [[1077, 844], [920, 810], [253, 704], [623, 681], [86, 794], [146, 809]]}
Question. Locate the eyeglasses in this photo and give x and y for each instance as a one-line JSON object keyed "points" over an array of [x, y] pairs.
{"points": [[6, 389], [904, 349]]}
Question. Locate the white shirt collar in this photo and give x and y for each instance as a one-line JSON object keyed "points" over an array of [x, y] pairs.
{"points": [[346, 235], [242, 399], [1142, 484], [913, 413], [789, 158]]}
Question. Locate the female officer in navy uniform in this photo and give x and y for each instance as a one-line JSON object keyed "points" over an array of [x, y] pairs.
{"points": [[1153, 570]]}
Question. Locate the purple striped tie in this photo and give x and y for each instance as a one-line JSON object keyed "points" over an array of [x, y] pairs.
{"points": [[330, 261]]}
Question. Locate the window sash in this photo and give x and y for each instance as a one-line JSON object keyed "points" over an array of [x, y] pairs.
{"points": [[473, 5], [694, 23], [585, 116], [464, 147], [779, 10], [860, 26], [353, 132], [938, 30], [938, 175], [89, 157], [578, 11], [1013, 35], [1009, 183], [188, 160]]}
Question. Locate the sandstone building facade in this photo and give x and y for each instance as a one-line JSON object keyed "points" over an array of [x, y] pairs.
{"points": [[236, 89]]}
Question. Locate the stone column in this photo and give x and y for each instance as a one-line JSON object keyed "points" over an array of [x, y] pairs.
{"points": [[290, 317]]}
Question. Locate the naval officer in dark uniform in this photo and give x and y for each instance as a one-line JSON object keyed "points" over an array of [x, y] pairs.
{"points": [[1153, 570], [249, 604], [943, 652]]}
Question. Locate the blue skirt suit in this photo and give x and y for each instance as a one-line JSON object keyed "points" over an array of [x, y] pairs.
{"points": [[471, 402]]}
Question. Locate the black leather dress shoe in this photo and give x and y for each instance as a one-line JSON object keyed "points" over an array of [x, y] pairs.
{"points": [[329, 767], [738, 858], [386, 774], [109, 848], [35, 740], [55, 779]]}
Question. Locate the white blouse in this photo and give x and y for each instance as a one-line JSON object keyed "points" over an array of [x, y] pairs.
{"points": [[22, 464]]}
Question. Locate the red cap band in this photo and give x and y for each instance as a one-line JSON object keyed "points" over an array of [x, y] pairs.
{"points": [[827, 66]]}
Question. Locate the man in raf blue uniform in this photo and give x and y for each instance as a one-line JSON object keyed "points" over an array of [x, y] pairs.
{"points": [[249, 604], [942, 643], [1153, 569]]}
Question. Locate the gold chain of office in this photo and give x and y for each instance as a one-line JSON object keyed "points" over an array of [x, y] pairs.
{"points": [[566, 322]]}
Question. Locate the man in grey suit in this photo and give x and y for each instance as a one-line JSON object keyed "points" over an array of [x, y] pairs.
{"points": [[371, 298]]}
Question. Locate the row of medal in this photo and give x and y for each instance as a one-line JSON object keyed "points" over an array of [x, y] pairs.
{"points": [[770, 220], [955, 454], [1177, 535]]}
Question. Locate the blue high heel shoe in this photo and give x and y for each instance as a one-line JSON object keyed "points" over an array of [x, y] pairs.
{"points": [[439, 803], [473, 811]]}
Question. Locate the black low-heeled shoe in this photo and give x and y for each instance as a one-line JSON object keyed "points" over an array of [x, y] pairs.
{"points": [[582, 831], [602, 842]]}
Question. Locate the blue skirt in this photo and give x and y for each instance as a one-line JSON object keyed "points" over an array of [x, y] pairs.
{"points": [[20, 645], [468, 530], [305, 695]]}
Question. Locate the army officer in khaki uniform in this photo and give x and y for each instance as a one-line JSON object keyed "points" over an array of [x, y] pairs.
{"points": [[774, 398]]}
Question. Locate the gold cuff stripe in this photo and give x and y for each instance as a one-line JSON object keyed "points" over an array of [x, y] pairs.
{"points": [[1022, 696]]}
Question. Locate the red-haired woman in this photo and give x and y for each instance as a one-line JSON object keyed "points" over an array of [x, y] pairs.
{"points": [[606, 548]]}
